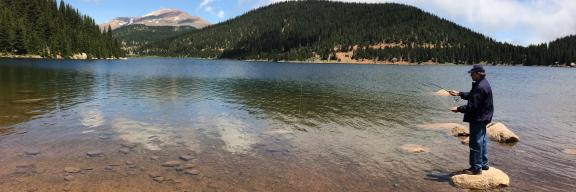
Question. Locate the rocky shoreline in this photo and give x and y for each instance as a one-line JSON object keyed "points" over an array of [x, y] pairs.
{"points": [[78, 56]]}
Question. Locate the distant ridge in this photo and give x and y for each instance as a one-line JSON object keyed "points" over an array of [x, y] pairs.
{"points": [[162, 17]]}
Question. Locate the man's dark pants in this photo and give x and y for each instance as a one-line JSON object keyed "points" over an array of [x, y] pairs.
{"points": [[478, 146]]}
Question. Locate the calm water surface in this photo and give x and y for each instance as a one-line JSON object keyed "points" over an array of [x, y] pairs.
{"points": [[259, 126]]}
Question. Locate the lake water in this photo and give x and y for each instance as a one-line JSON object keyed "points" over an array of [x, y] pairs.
{"points": [[261, 126]]}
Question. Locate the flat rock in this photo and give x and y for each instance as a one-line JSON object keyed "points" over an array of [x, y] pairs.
{"points": [[154, 157], [32, 152], [72, 169], [158, 179], [490, 179], [192, 172], [154, 174], [500, 133], [413, 148], [171, 164], [68, 178], [187, 157], [124, 150], [569, 151], [129, 145], [95, 153], [189, 165]]}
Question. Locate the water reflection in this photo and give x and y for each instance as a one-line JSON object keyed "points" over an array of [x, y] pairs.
{"points": [[342, 122]]}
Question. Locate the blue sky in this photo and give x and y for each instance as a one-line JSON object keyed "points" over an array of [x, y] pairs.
{"points": [[520, 22]]}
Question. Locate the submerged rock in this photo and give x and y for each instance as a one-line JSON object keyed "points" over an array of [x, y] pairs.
{"points": [[124, 150], [500, 133], [68, 178], [72, 169], [171, 164], [158, 179], [129, 145], [32, 152], [413, 148], [189, 165], [187, 157], [95, 153], [569, 151], [192, 172], [489, 179]]}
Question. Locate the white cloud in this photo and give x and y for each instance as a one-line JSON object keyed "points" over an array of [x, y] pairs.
{"points": [[517, 21], [205, 3], [221, 14]]}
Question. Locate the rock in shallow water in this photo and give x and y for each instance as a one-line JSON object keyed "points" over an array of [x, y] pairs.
{"points": [[413, 148], [95, 153], [489, 179], [500, 133], [187, 157], [32, 152], [68, 178], [171, 164], [569, 151], [192, 172], [124, 150], [129, 145], [72, 169]]}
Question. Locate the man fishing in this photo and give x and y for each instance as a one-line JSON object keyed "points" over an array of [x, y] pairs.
{"points": [[478, 113]]}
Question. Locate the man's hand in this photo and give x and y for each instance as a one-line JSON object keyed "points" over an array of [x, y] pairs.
{"points": [[454, 93], [454, 109]]}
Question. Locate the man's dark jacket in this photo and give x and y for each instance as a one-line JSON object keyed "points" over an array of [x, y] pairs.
{"points": [[480, 107]]}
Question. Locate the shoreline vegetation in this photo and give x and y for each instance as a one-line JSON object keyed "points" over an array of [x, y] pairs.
{"points": [[48, 29], [79, 56]]}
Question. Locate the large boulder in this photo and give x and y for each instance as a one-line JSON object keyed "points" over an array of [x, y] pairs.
{"points": [[489, 179], [500, 133]]}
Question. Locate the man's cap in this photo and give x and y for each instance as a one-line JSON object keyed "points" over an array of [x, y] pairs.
{"points": [[476, 68]]}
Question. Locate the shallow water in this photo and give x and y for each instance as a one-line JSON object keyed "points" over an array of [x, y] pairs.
{"points": [[259, 126]]}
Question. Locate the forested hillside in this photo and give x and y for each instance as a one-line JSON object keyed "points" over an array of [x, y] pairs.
{"points": [[132, 37], [558, 52], [51, 29], [323, 30]]}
